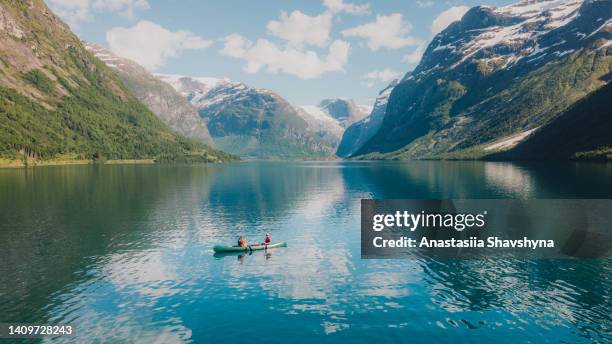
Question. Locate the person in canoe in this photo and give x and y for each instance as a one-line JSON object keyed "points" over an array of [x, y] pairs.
{"points": [[242, 242], [267, 240]]}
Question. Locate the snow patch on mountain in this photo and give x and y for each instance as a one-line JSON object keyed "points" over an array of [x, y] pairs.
{"points": [[207, 92], [110, 60], [187, 84], [606, 25], [512, 33], [320, 121]]}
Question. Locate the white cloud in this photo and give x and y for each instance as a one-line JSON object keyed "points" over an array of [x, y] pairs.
{"points": [[150, 45], [382, 76], [298, 28], [124, 7], [424, 3], [447, 17], [74, 12], [291, 60], [415, 56], [336, 6], [386, 32]]}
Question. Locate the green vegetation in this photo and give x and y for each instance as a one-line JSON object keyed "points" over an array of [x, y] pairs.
{"points": [[89, 125], [602, 154], [457, 122], [583, 132], [39, 80], [83, 112], [457, 102], [262, 126]]}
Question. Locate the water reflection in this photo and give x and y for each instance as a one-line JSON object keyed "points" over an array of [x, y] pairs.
{"points": [[510, 178], [129, 248]]}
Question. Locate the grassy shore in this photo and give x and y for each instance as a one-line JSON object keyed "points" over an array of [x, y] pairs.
{"points": [[129, 161], [9, 163], [76, 159]]}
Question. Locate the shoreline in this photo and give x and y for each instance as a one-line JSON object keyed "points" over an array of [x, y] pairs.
{"points": [[6, 164], [13, 164]]}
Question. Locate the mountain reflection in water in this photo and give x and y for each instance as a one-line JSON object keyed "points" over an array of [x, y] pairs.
{"points": [[129, 248]]}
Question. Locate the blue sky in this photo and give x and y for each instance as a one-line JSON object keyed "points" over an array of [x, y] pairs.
{"points": [[304, 50]]}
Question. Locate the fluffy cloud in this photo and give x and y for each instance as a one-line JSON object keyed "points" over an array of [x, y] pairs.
{"points": [[298, 28], [424, 3], [383, 76], [150, 45], [386, 32], [72, 11], [415, 56], [447, 17], [291, 60], [336, 6], [124, 7], [75, 12]]}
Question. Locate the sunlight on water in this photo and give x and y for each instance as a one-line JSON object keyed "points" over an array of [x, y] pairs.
{"points": [[125, 254]]}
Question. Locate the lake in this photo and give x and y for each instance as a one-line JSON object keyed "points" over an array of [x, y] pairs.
{"points": [[125, 254]]}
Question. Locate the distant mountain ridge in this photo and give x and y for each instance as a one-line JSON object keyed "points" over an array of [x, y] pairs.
{"points": [[161, 98], [496, 73], [360, 132], [251, 122], [344, 110], [330, 118]]}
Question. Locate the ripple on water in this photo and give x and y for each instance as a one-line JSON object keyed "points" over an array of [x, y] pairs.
{"points": [[129, 249]]}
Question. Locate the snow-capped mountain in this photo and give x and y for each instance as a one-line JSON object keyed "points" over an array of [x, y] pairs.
{"points": [[330, 118], [497, 74], [159, 97], [529, 32], [344, 110], [248, 121], [196, 89], [358, 133], [321, 122]]}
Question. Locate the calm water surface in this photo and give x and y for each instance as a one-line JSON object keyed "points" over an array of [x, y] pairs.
{"points": [[125, 254]]}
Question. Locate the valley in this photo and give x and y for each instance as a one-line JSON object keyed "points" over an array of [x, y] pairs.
{"points": [[488, 85]]}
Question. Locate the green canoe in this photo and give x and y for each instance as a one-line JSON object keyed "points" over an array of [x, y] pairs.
{"points": [[221, 248]]}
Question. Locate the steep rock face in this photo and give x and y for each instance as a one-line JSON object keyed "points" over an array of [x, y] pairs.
{"points": [[495, 73], [358, 133], [161, 98], [250, 122], [581, 132], [59, 101]]}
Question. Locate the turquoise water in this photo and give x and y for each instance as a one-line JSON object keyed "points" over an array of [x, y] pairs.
{"points": [[125, 254]]}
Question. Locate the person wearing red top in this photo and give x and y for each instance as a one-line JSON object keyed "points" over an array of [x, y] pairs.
{"points": [[267, 241]]}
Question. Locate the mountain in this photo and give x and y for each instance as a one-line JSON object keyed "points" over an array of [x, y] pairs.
{"points": [[322, 124], [491, 79], [250, 122], [58, 101], [161, 98], [358, 133], [581, 132], [344, 110], [330, 118]]}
